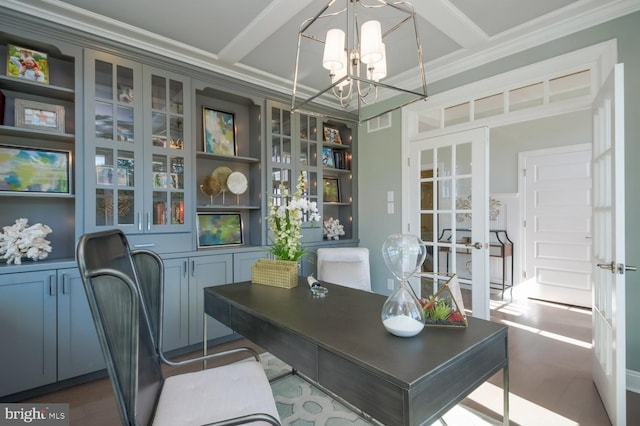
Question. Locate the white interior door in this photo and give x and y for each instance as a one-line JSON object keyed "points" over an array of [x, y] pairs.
{"points": [[609, 345], [448, 204], [557, 206]]}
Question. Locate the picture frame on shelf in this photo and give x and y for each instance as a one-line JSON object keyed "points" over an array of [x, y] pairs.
{"points": [[39, 115], [331, 190], [104, 175], [218, 130], [219, 229], [34, 170], [327, 157], [27, 64], [332, 135]]}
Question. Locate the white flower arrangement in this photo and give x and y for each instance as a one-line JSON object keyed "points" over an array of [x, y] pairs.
{"points": [[332, 229], [285, 221], [19, 240]]}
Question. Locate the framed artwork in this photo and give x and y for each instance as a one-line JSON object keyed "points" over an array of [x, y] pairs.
{"points": [[331, 190], [38, 115], [219, 229], [104, 175], [34, 170], [327, 157], [332, 135], [219, 132], [28, 64]]}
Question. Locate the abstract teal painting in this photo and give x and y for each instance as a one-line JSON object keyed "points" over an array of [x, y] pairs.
{"points": [[25, 169]]}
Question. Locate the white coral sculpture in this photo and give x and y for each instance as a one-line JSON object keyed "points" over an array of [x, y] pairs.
{"points": [[19, 240], [332, 229]]}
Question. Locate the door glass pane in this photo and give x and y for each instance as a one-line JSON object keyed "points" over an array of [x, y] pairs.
{"points": [[177, 172], [126, 207], [276, 127], [104, 120], [158, 93], [313, 128], [125, 124], [104, 166], [126, 168], [463, 159], [159, 129], [457, 114], [176, 97], [104, 80], [160, 212], [286, 123], [570, 86], [304, 127], [159, 169], [489, 106], [125, 85], [526, 97], [176, 133], [445, 162], [104, 207], [177, 208]]}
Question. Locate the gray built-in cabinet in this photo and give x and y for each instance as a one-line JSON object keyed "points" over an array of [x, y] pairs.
{"points": [[133, 129]]}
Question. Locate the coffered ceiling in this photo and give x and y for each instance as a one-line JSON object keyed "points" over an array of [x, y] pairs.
{"points": [[255, 40]]}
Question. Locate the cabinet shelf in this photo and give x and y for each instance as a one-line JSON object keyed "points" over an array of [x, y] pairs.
{"points": [[32, 88], [330, 170], [236, 158], [220, 207], [336, 204], [35, 133]]}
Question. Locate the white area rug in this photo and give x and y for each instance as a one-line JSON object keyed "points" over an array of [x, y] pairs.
{"points": [[301, 404]]}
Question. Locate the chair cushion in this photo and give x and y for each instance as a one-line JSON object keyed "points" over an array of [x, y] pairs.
{"points": [[215, 394]]}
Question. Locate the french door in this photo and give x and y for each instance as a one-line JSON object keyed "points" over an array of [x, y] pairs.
{"points": [[609, 342], [448, 205]]}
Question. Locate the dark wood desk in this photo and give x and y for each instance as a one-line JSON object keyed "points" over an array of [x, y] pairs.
{"points": [[339, 342]]}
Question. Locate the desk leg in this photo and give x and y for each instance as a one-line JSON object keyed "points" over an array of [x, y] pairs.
{"points": [[505, 387]]}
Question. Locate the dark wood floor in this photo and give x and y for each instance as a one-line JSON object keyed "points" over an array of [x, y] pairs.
{"points": [[550, 374]]}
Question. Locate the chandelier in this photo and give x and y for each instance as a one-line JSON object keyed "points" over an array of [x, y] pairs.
{"points": [[356, 59]]}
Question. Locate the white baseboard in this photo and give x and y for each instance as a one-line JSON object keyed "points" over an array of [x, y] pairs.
{"points": [[633, 381]]}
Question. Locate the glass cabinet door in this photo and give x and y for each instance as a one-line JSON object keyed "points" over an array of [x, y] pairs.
{"points": [[281, 155], [308, 159], [114, 142], [167, 151]]}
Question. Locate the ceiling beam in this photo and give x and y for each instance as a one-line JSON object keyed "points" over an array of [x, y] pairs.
{"points": [[443, 15], [274, 16]]}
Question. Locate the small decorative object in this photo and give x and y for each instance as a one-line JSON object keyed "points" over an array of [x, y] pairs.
{"points": [[332, 135], [330, 190], [332, 229], [275, 272], [445, 307], [315, 287], [237, 184], [28, 64], [219, 229], [286, 215], [39, 115], [21, 240], [32, 170], [402, 313], [327, 157], [222, 174], [219, 132], [211, 187]]}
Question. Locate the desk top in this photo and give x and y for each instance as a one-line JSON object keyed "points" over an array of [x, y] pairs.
{"points": [[348, 322]]}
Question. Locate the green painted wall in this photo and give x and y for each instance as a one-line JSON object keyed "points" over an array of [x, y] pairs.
{"points": [[380, 161]]}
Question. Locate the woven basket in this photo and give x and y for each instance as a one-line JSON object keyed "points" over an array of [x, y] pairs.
{"points": [[276, 273]]}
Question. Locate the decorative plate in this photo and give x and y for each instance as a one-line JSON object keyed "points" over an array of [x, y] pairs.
{"points": [[222, 174], [210, 186], [237, 183]]}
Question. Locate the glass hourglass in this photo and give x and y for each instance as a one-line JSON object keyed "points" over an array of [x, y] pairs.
{"points": [[402, 314]]}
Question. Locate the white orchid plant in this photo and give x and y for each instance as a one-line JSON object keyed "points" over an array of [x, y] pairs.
{"points": [[332, 229], [286, 218]]}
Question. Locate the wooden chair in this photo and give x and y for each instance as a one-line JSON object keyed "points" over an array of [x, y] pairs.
{"points": [[232, 394]]}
